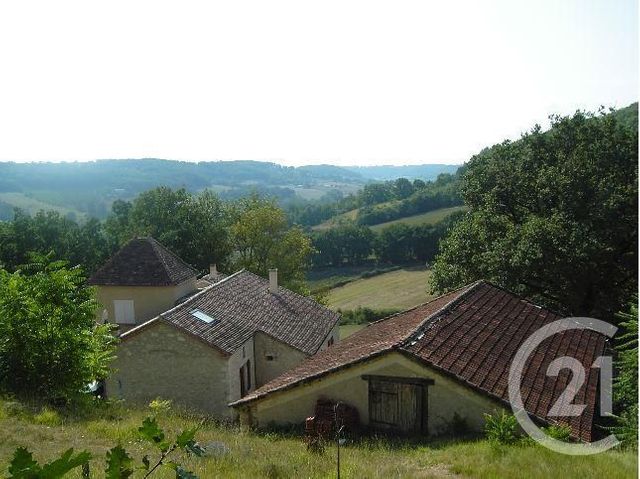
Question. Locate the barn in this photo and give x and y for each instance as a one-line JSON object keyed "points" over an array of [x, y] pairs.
{"points": [[430, 369]]}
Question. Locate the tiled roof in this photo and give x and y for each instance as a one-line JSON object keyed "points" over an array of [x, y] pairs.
{"points": [[376, 338], [209, 279], [240, 305], [143, 262], [471, 335]]}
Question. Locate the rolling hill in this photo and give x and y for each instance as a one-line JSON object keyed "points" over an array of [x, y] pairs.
{"points": [[89, 188]]}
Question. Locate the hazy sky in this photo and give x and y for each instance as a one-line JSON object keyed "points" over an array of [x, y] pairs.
{"points": [[302, 82]]}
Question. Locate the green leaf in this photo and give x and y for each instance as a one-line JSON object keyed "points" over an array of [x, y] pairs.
{"points": [[64, 464], [22, 465], [153, 433], [186, 437], [119, 464]]}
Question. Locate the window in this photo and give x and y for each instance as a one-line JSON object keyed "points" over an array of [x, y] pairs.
{"points": [[124, 311], [202, 316], [330, 342], [248, 365], [269, 357]]}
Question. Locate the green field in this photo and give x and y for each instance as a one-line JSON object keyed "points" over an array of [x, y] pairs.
{"points": [[430, 217], [349, 216], [243, 454], [399, 289], [32, 205]]}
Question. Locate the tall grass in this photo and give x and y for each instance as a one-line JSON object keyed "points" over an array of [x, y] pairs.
{"points": [[239, 453]]}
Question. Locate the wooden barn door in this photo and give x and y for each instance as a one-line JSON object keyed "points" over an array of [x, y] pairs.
{"points": [[398, 404]]}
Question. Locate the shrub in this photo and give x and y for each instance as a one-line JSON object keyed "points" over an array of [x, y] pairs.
{"points": [[47, 417], [51, 347], [362, 315], [160, 406], [501, 428], [559, 432]]}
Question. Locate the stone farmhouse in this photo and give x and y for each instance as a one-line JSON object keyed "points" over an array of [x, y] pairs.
{"points": [[422, 370], [202, 343]]}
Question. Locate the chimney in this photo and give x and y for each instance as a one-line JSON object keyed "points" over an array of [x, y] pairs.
{"points": [[273, 280], [213, 270]]}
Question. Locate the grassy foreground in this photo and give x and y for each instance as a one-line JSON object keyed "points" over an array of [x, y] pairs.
{"points": [[252, 455], [399, 290]]}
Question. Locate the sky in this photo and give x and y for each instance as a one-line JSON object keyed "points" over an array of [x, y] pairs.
{"points": [[340, 82]]}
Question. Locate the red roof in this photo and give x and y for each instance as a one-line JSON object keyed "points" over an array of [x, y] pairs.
{"points": [[471, 335]]}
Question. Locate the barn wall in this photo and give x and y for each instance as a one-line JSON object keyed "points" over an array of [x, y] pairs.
{"points": [[335, 334], [284, 356], [148, 301], [236, 361], [161, 361], [445, 397]]}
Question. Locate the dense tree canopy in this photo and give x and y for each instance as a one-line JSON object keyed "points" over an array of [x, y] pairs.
{"points": [[47, 232], [50, 346], [262, 240], [552, 216], [343, 244]]}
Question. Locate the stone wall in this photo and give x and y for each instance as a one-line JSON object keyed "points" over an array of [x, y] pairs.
{"points": [[162, 361]]}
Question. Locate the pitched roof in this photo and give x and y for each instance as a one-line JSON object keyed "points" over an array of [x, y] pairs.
{"points": [[471, 335], [241, 305], [209, 279], [143, 262]]}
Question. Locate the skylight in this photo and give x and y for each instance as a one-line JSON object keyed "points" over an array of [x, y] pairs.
{"points": [[202, 316]]}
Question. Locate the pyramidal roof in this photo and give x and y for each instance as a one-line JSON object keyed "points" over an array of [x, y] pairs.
{"points": [[143, 262]]}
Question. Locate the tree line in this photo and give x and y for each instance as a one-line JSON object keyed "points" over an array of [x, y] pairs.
{"points": [[350, 244], [382, 201], [252, 233]]}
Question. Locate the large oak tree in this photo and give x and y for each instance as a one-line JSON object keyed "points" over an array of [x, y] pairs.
{"points": [[552, 216]]}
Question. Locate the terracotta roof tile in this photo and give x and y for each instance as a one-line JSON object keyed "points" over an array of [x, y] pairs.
{"points": [[372, 340], [473, 339]]}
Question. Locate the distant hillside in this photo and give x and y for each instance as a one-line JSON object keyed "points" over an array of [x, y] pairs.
{"points": [[88, 188], [412, 172]]}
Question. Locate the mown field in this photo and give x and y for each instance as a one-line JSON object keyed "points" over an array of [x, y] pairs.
{"points": [[400, 289], [245, 454], [429, 218], [349, 215]]}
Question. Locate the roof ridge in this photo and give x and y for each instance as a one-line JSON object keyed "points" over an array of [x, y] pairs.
{"points": [[154, 243], [188, 300], [301, 296], [158, 247], [526, 300], [436, 315], [422, 304]]}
